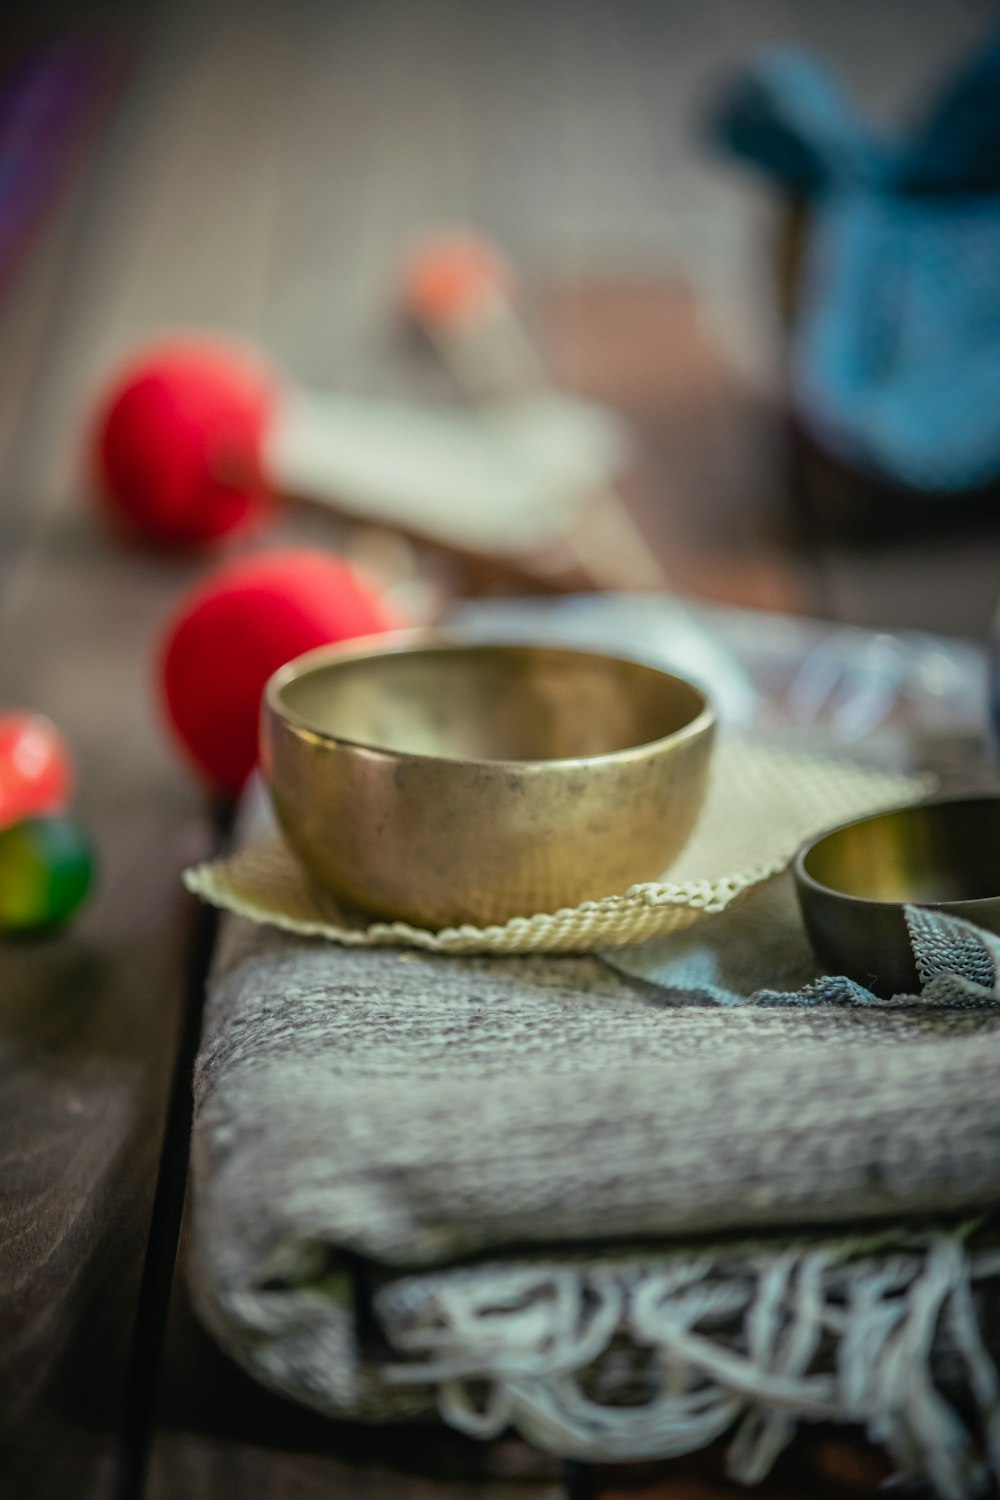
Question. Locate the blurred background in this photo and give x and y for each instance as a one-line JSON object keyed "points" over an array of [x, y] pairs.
{"points": [[739, 269], [262, 168]]}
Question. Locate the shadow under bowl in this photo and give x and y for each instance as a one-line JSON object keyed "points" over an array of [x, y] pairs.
{"points": [[442, 783], [854, 881]]}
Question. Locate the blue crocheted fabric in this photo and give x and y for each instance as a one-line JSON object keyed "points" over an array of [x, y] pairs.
{"points": [[896, 353]]}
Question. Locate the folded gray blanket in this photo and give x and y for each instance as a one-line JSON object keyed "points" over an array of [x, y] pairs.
{"points": [[606, 1209]]}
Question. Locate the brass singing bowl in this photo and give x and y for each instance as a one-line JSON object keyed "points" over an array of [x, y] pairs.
{"points": [[854, 881], [443, 783]]}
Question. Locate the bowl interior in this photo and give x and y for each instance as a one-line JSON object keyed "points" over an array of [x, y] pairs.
{"points": [[935, 852], [491, 702]]}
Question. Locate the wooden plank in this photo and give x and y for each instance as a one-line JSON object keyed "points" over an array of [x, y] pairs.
{"points": [[949, 583], [824, 1463], [90, 1026], [69, 1037], [44, 992], [198, 1470], [91, 1020]]}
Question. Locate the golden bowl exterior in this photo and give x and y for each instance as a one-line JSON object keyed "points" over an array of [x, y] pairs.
{"points": [[854, 881], [442, 783]]}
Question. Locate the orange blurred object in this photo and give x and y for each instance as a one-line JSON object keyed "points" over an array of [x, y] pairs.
{"points": [[453, 276], [35, 774]]}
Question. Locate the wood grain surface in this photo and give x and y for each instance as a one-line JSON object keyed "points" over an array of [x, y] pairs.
{"points": [[265, 167], [89, 1019]]}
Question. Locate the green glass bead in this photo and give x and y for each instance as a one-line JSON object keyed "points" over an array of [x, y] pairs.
{"points": [[46, 870]]}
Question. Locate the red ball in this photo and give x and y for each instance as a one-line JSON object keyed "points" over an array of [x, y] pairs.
{"points": [[35, 775], [241, 624], [178, 440]]}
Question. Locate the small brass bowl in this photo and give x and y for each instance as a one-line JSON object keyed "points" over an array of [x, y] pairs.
{"points": [[443, 783], [853, 883]]}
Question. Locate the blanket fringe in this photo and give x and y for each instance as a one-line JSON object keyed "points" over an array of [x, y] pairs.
{"points": [[634, 1361]]}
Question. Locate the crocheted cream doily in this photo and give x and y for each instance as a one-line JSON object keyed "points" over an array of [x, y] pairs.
{"points": [[762, 802]]}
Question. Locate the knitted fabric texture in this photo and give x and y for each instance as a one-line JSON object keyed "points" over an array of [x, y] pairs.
{"points": [[763, 801], [757, 950], [607, 1211], [895, 352]]}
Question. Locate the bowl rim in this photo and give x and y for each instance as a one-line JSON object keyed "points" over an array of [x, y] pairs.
{"points": [[407, 642], [804, 878]]}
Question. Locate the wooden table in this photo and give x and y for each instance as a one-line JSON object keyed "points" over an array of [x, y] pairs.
{"points": [[262, 169]]}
